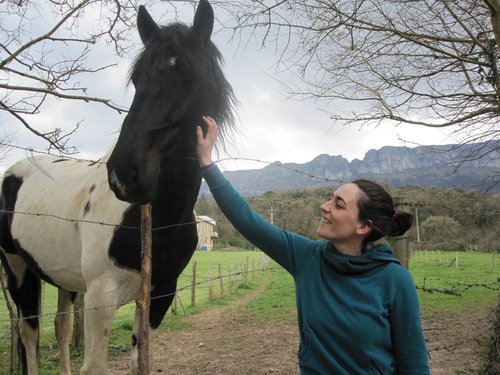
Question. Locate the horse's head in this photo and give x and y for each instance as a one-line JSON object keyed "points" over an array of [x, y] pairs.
{"points": [[177, 79]]}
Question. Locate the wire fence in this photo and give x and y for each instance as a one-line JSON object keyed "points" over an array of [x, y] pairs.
{"points": [[216, 282], [201, 284], [197, 287]]}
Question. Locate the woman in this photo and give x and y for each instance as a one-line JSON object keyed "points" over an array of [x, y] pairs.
{"points": [[358, 311]]}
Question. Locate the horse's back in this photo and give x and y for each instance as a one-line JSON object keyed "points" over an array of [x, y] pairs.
{"points": [[49, 201]]}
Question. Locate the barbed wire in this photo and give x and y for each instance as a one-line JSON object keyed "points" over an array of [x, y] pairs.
{"points": [[281, 165], [187, 287], [96, 222], [220, 160], [277, 164], [265, 268], [482, 211], [48, 153]]}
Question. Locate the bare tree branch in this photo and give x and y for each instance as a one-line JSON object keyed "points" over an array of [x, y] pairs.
{"points": [[44, 59], [429, 63]]}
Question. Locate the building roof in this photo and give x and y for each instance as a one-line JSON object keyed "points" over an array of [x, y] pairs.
{"points": [[205, 219]]}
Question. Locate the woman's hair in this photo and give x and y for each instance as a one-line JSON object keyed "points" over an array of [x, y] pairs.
{"points": [[376, 208]]}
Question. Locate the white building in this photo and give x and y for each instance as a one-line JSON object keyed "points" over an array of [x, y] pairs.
{"points": [[206, 232]]}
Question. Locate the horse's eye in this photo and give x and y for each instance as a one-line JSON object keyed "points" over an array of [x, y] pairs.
{"points": [[172, 61]]}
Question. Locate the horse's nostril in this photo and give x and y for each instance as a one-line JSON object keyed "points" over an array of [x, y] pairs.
{"points": [[113, 179], [116, 185]]}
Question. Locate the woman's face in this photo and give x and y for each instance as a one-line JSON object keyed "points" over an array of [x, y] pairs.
{"points": [[339, 220]]}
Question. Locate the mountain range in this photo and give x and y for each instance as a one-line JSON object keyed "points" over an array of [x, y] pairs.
{"points": [[469, 167]]}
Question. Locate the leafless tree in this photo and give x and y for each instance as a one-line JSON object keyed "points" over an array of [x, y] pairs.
{"points": [[431, 63], [45, 47]]}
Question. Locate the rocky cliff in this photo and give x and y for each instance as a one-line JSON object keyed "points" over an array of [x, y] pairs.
{"points": [[468, 167]]}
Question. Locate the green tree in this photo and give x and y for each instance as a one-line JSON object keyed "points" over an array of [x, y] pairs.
{"points": [[440, 229]]}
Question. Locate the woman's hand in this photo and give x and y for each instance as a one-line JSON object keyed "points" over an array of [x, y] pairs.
{"points": [[206, 143]]}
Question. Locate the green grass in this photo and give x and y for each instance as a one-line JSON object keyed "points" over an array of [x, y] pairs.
{"points": [[231, 263], [474, 284], [278, 303], [475, 280]]}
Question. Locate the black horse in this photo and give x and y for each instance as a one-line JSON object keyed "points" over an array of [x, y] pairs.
{"points": [[78, 236]]}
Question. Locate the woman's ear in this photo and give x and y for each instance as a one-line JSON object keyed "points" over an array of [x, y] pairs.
{"points": [[364, 228]]}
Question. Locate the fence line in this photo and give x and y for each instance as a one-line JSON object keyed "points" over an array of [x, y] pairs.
{"points": [[232, 277], [62, 218], [69, 156]]}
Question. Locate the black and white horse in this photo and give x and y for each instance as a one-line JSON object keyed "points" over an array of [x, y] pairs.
{"points": [[61, 222]]}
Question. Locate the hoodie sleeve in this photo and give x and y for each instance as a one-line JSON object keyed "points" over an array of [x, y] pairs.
{"points": [[279, 244], [409, 342]]}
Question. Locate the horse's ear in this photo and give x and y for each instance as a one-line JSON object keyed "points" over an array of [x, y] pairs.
{"points": [[145, 24], [203, 23]]}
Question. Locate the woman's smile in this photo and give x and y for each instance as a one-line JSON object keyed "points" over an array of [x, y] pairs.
{"points": [[324, 220]]}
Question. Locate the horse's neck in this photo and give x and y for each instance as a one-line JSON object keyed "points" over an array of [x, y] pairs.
{"points": [[179, 181]]}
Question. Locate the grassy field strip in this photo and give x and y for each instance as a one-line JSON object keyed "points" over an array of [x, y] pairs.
{"points": [[474, 280], [232, 264], [474, 284], [472, 277]]}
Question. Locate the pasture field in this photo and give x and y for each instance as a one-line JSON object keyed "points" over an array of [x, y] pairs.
{"points": [[443, 287], [239, 271], [447, 287]]}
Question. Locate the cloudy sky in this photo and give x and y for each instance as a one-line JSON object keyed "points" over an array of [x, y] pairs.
{"points": [[271, 127]]}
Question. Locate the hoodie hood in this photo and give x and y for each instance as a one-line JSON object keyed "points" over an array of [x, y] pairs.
{"points": [[371, 261]]}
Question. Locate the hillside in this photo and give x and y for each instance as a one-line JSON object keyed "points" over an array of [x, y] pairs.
{"points": [[426, 166]]}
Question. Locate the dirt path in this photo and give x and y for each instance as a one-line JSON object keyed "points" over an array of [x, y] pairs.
{"points": [[221, 341]]}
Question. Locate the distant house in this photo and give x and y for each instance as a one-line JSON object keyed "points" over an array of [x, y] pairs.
{"points": [[206, 232]]}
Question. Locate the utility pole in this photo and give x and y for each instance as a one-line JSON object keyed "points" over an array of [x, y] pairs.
{"points": [[418, 228]]}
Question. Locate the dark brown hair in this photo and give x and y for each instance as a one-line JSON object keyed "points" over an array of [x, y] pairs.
{"points": [[376, 208]]}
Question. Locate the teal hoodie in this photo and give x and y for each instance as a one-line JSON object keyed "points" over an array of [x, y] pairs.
{"points": [[356, 314]]}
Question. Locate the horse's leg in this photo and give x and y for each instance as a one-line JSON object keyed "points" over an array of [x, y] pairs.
{"points": [[27, 299], [63, 325], [25, 290], [101, 303]]}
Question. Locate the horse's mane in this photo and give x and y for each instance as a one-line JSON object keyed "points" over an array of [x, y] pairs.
{"points": [[172, 41]]}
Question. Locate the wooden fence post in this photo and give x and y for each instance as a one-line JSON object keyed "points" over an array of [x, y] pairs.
{"points": [[210, 292], [144, 300], [221, 283], [245, 272], [230, 277], [193, 286]]}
